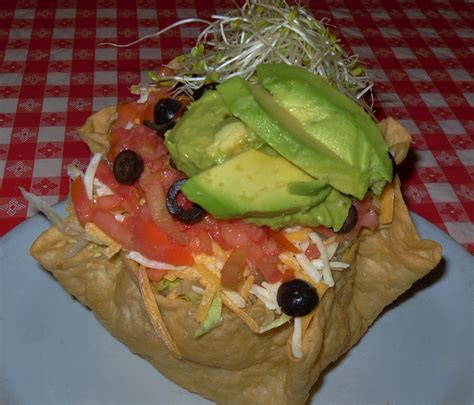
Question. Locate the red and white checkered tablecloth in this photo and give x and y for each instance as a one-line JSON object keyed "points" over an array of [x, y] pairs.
{"points": [[53, 76]]}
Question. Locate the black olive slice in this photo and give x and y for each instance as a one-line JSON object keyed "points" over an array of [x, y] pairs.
{"points": [[394, 165], [199, 92], [350, 221], [297, 297], [190, 216], [128, 167], [166, 110], [160, 129]]}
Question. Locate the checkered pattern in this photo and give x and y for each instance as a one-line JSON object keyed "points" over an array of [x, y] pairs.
{"points": [[53, 75]]}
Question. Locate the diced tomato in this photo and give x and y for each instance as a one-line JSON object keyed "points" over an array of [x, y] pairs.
{"points": [[134, 111], [234, 266], [156, 199], [118, 141], [312, 252], [140, 139], [119, 231], [200, 242], [105, 175], [269, 270], [80, 201], [283, 242], [109, 202], [154, 243], [169, 177], [155, 274]]}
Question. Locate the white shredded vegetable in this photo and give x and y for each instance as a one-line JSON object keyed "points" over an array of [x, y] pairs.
{"points": [[153, 264], [308, 267], [143, 95], [90, 174], [65, 227], [296, 346], [129, 125], [267, 293], [197, 290], [119, 217], [339, 265], [74, 172], [101, 189], [235, 297], [326, 270], [331, 249]]}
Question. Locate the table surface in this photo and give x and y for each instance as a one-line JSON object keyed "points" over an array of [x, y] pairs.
{"points": [[54, 75]]}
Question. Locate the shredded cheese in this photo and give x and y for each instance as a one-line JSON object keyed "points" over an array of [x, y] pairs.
{"points": [[326, 270], [339, 265], [235, 297], [331, 249], [90, 174], [267, 293], [244, 290], [308, 267], [289, 260], [296, 339], [197, 290], [152, 264], [154, 313]]}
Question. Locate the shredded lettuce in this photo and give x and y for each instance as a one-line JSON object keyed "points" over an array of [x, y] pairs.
{"points": [[213, 318], [165, 284], [275, 324], [191, 297]]}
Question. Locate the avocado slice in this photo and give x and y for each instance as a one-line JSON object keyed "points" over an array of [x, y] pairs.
{"points": [[253, 183], [330, 117], [331, 213], [279, 129], [207, 135]]}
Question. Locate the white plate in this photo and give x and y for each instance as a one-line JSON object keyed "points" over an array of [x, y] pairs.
{"points": [[55, 352]]}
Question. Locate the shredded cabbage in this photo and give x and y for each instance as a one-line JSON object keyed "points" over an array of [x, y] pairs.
{"points": [[66, 227]]}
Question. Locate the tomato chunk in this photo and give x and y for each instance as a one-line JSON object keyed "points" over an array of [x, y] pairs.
{"points": [[234, 266], [155, 274], [269, 270], [154, 243], [283, 242], [118, 231], [80, 201], [312, 252]]}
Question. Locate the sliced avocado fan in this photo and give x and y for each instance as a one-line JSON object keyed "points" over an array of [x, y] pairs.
{"points": [[330, 118], [284, 133]]}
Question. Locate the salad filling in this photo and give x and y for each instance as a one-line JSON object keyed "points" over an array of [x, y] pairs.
{"points": [[243, 192], [212, 262]]}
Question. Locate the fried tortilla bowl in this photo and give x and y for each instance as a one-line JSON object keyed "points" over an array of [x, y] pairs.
{"points": [[234, 363]]}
